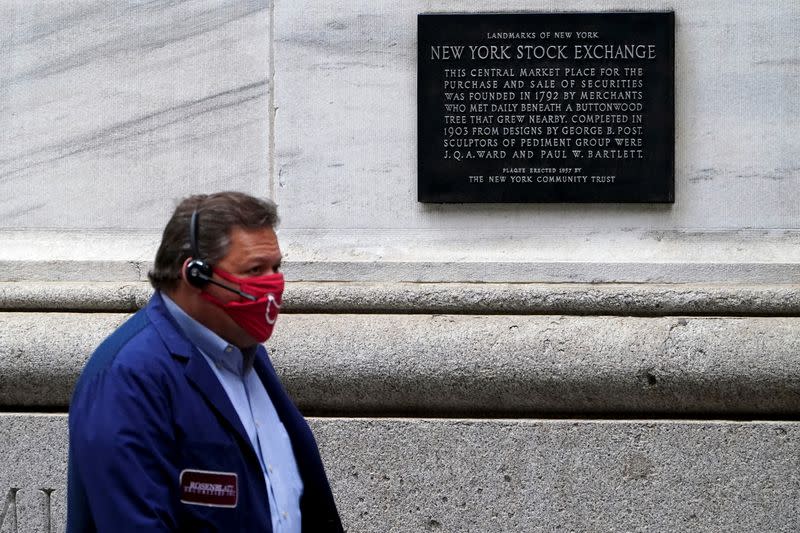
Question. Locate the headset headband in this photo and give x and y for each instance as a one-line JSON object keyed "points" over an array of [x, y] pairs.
{"points": [[193, 235]]}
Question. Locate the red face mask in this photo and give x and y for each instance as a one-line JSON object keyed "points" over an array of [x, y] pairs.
{"points": [[255, 317]]}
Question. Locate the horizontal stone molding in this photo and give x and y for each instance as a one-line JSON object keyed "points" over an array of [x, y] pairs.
{"points": [[457, 298], [590, 272], [500, 475], [468, 365]]}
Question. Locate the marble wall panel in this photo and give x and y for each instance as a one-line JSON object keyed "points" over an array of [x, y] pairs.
{"points": [[110, 111], [345, 89], [401, 475]]}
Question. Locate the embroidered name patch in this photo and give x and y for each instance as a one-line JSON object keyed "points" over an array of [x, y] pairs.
{"points": [[214, 489]]}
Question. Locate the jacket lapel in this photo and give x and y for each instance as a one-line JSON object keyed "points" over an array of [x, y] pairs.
{"points": [[317, 505], [197, 371], [303, 444], [206, 383]]}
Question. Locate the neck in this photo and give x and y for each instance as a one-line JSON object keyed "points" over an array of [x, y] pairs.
{"points": [[190, 300]]}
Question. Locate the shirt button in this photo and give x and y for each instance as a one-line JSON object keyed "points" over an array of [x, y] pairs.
{"points": [[269, 467], [285, 515], [228, 349]]}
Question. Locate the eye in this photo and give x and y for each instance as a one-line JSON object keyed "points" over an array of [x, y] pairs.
{"points": [[263, 268]]}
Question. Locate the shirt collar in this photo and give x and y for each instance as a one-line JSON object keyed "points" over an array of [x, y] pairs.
{"points": [[209, 343]]}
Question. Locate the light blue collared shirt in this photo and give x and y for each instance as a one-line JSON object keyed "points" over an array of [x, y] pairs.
{"points": [[234, 370]]}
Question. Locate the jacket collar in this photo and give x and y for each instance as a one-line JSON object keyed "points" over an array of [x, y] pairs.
{"points": [[169, 331], [210, 344], [197, 370]]}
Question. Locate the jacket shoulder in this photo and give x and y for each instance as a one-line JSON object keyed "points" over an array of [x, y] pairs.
{"points": [[135, 344]]}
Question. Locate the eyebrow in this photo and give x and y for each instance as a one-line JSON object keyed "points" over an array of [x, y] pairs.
{"points": [[264, 259]]}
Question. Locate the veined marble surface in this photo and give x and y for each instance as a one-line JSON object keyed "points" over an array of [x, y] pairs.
{"points": [[111, 111], [346, 88]]}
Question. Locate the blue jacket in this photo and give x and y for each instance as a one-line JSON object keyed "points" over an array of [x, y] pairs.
{"points": [[146, 410]]}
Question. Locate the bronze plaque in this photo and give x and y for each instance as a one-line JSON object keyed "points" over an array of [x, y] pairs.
{"points": [[567, 107]]}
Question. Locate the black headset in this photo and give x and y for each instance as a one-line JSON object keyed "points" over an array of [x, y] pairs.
{"points": [[198, 271]]}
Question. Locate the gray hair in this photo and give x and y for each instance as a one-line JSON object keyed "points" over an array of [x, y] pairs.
{"points": [[217, 215]]}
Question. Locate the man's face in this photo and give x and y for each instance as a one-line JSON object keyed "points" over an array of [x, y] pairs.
{"points": [[252, 252]]}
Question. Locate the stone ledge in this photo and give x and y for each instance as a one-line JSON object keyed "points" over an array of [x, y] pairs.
{"points": [[458, 298], [399, 475], [456, 365], [776, 271]]}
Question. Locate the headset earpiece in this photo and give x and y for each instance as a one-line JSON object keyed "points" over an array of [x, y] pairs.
{"points": [[198, 272]]}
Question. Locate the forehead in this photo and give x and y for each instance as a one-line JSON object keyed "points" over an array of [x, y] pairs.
{"points": [[247, 244]]}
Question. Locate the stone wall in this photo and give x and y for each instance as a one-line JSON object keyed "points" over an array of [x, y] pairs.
{"points": [[465, 367]]}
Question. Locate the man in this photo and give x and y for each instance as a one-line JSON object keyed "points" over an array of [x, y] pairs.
{"points": [[179, 422]]}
